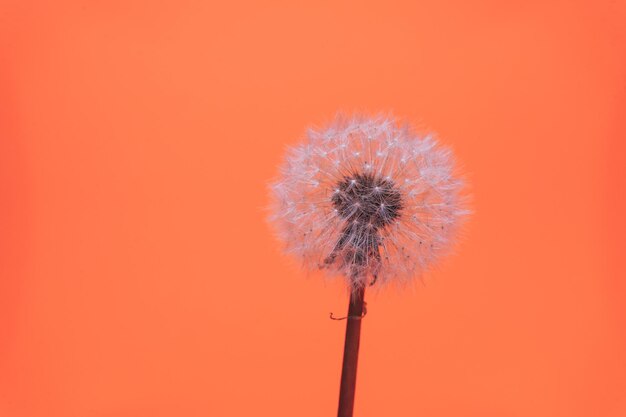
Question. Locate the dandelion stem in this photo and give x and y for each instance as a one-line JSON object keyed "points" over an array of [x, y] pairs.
{"points": [[351, 352]]}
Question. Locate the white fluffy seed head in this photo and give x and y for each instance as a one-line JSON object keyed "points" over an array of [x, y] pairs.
{"points": [[368, 199]]}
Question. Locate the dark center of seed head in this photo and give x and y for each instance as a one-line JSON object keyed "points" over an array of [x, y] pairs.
{"points": [[367, 200]]}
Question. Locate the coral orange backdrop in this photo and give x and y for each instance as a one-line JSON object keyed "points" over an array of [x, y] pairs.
{"points": [[138, 276]]}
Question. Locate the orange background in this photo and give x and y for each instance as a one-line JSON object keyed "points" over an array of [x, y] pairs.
{"points": [[138, 276]]}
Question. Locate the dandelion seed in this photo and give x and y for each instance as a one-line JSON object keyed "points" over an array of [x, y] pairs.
{"points": [[408, 185]]}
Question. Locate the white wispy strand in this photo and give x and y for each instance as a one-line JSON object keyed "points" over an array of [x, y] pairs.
{"points": [[413, 238]]}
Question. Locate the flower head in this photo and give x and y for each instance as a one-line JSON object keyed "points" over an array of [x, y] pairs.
{"points": [[368, 199]]}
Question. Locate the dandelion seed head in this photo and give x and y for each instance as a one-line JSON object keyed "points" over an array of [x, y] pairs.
{"points": [[368, 199]]}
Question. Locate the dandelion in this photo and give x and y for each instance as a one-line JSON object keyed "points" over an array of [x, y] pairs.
{"points": [[369, 200]]}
